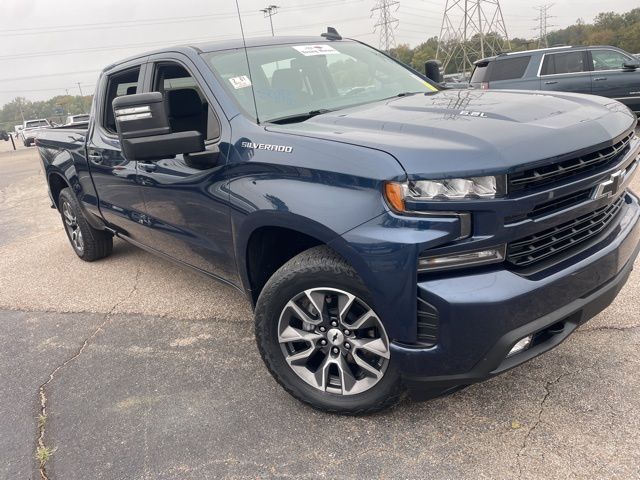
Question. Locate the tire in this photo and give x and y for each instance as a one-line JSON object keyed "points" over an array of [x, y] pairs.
{"points": [[88, 243], [312, 274]]}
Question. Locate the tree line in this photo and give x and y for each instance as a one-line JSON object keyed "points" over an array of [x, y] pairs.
{"points": [[55, 109]]}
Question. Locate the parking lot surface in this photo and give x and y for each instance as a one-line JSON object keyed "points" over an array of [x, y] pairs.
{"points": [[150, 371]]}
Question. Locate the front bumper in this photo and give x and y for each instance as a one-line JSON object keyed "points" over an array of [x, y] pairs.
{"points": [[483, 314]]}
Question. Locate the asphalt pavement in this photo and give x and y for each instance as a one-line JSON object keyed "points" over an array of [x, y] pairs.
{"points": [[150, 371]]}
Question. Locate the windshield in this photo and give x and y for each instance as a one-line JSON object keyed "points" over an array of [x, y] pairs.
{"points": [[297, 79]]}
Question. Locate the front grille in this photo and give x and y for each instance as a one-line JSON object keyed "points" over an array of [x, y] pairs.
{"points": [[548, 243], [428, 323], [548, 174]]}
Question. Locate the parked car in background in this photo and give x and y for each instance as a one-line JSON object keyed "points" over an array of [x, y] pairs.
{"points": [[31, 128], [77, 119], [599, 70], [4, 135]]}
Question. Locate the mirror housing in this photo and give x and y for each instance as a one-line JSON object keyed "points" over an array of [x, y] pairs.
{"points": [[432, 71], [144, 130], [631, 65]]}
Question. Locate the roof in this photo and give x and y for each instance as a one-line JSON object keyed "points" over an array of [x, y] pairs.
{"points": [[548, 49], [219, 45]]}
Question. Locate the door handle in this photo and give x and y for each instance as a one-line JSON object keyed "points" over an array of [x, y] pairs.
{"points": [[95, 158], [551, 82], [599, 79], [148, 167]]}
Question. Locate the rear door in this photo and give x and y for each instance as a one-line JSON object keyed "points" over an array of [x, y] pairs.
{"points": [[185, 196], [611, 79], [566, 72], [119, 195]]}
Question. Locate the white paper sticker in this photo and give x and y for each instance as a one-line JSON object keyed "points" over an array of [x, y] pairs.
{"points": [[240, 82], [312, 50]]}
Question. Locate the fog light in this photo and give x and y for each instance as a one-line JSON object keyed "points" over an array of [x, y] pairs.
{"points": [[462, 259], [521, 345]]}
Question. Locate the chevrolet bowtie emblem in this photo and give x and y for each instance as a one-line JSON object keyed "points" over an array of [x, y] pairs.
{"points": [[610, 187]]}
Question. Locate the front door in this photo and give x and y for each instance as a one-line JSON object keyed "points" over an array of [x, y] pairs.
{"points": [[185, 199], [115, 177], [565, 72], [611, 79]]}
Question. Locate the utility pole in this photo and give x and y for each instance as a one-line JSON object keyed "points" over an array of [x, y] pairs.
{"points": [[471, 30], [386, 23], [270, 11], [543, 24], [20, 108], [81, 97]]}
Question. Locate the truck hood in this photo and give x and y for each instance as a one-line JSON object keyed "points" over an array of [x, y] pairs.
{"points": [[472, 132]]}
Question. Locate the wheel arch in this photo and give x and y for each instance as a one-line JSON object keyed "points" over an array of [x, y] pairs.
{"points": [[268, 243], [57, 182]]}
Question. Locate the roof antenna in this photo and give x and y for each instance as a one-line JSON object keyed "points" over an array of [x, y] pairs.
{"points": [[332, 34], [244, 43]]}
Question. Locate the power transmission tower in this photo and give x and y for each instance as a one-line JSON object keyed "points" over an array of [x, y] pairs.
{"points": [[543, 24], [270, 11], [386, 23], [471, 30]]}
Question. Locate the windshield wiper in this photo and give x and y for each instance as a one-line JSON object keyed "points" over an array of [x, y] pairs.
{"points": [[299, 117]]}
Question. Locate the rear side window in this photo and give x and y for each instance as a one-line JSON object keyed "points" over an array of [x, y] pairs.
{"points": [[557, 63], [119, 84], [509, 68], [479, 73]]}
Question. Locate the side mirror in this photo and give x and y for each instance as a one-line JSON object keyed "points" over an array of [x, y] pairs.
{"points": [[631, 65], [432, 70], [144, 130]]}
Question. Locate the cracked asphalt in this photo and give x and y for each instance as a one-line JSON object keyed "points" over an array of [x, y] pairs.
{"points": [[151, 372]]}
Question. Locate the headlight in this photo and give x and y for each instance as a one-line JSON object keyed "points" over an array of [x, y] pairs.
{"points": [[446, 189]]}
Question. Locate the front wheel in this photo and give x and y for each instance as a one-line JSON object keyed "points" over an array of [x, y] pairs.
{"points": [[320, 338]]}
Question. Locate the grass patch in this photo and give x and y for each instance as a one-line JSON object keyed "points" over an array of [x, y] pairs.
{"points": [[42, 420], [43, 454]]}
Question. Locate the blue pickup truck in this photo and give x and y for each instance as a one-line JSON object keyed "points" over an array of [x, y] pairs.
{"points": [[391, 236]]}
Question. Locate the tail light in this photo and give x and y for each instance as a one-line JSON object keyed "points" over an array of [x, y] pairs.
{"points": [[485, 86]]}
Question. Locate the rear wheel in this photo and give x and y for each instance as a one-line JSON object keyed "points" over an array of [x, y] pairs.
{"points": [[320, 338], [89, 243]]}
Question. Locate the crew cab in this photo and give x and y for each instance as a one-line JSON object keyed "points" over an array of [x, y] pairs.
{"points": [[31, 128], [391, 236], [598, 70]]}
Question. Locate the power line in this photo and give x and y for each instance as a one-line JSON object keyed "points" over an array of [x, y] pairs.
{"points": [[386, 23], [543, 24], [470, 30], [270, 11]]}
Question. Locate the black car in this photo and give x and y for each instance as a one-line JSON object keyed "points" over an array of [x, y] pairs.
{"points": [[598, 70]]}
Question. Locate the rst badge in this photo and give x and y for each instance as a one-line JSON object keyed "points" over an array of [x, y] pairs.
{"points": [[468, 113], [610, 187]]}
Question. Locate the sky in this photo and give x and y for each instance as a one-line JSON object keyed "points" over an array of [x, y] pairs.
{"points": [[48, 47]]}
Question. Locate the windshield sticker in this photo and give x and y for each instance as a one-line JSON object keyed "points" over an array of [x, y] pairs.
{"points": [[240, 82], [312, 50]]}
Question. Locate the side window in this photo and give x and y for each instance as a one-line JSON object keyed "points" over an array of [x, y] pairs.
{"points": [[608, 59], [119, 84], [185, 102], [570, 62], [509, 68]]}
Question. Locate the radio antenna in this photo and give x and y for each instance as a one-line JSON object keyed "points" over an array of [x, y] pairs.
{"points": [[246, 54]]}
